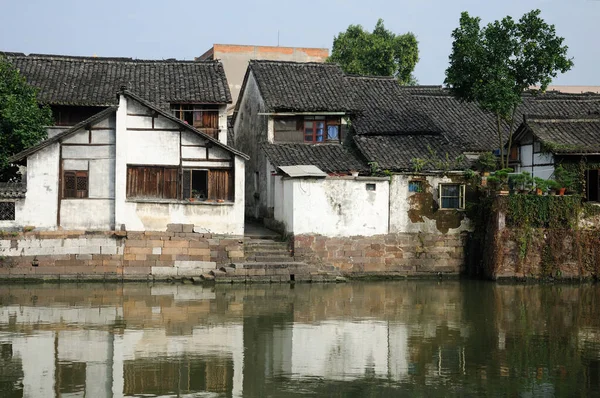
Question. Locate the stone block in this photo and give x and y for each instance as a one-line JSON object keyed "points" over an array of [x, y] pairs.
{"points": [[177, 244], [164, 271], [135, 243], [174, 227], [89, 250], [85, 257], [235, 254], [137, 270], [139, 250], [187, 228], [157, 250], [108, 249]]}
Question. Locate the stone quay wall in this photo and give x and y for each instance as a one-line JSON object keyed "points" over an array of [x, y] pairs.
{"points": [[115, 255], [404, 254]]}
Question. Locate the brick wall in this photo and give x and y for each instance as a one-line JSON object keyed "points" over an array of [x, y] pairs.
{"points": [[393, 254], [112, 254]]}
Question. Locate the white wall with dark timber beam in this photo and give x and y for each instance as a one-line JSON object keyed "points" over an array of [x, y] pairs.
{"points": [[149, 141], [90, 150]]}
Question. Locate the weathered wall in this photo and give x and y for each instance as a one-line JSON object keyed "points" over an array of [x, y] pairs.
{"points": [[91, 149], [414, 212], [509, 252], [333, 206], [40, 204], [250, 131], [381, 255], [116, 255], [143, 139]]}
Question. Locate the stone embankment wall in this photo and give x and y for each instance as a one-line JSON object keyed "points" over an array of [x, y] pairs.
{"points": [[560, 252], [415, 254], [115, 255]]}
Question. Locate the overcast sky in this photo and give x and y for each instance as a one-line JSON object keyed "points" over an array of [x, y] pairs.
{"points": [[151, 29]]}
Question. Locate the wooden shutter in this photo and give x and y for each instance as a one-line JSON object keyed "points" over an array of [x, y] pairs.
{"points": [[152, 182], [220, 185], [187, 184], [75, 184], [69, 185]]}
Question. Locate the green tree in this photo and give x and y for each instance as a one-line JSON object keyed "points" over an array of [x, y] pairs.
{"points": [[380, 53], [494, 65], [22, 120]]}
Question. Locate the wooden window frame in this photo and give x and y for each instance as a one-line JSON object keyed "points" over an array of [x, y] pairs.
{"points": [[461, 196], [212, 190], [197, 118], [75, 193], [218, 180], [326, 123]]}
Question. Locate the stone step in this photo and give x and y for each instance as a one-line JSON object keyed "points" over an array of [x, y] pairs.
{"points": [[207, 277], [196, 264], [274, 265], [273, 253], [217, 273], [266, 248], [270, 259], [263, 241], [227, 270]]}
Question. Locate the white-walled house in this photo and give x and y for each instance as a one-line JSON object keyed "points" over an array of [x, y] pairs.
{"points": [[135, 144], [543, 142], [132, 167]]}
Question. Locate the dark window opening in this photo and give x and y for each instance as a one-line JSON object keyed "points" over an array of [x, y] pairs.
{"points": [[195, 184], [7, 211], [75, 184], [66, 115], [452, 196], [593, 185], [371, 187], [203, 117]]}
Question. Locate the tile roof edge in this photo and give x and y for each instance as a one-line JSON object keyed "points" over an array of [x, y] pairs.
{"points": [[79, 58], [65, 134]]}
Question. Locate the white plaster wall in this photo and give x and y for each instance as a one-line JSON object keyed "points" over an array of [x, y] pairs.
{"points": [[40, 204], [336, 206], [217, 218], [538, 164], [155, 147], [223, 124], [97, 212], [400, 205]]}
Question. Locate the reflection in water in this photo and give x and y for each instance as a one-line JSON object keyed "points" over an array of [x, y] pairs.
{"points": [[362, 340]]}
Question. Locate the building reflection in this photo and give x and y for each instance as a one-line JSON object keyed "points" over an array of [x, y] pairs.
{"points": [[361, 339]]}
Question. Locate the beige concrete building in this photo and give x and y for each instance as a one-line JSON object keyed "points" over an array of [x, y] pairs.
{"points": [[235, 60]]}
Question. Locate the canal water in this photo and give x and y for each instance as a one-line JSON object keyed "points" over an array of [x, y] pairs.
{"points": [[409, 338]]}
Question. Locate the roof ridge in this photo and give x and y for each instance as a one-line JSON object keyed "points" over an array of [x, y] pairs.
{"points": [[270, 61], [84, 58], [374, 77]]}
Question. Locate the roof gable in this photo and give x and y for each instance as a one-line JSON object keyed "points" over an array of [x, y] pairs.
{"points": [[302, 86], [65, 134], [565, 135], [94, 81]]}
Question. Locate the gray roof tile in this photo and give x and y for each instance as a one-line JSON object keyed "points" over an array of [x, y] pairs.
{"points": [[331, 158], [95, 81], [302, 86], [566, 135]]}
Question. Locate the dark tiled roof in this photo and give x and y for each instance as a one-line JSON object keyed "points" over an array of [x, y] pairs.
{"points": [[476, 129], [331, 158], [384, 109], [302, 86], [396, 152], [92, 81], [12, 190], [567, 135]]}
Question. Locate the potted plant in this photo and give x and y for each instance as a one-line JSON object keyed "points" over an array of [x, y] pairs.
{"points": [[541, 185], [499, 181], [486, 163], [522, 182], [565, 178], [554, 187]]}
